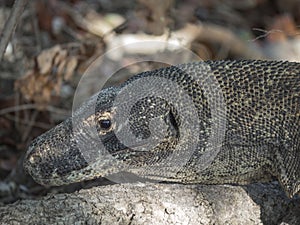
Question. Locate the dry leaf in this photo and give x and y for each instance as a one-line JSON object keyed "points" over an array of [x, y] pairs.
{"points": [[70, 67], [45, 59], [52, 67]]}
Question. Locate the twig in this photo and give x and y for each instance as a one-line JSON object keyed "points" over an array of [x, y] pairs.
{"points": [[30, 125], [36, 29], [33, 106], [265, 33], [17, 108], [41, 125], [11, 24], [17, 113], [56, 110]]}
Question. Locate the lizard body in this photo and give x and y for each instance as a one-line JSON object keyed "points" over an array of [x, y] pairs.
{"points": [[260, 136]]}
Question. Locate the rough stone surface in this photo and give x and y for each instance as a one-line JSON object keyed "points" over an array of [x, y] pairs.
{"points": [[159, 204]]}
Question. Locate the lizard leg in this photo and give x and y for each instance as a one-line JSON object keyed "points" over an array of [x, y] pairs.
{"points": [[288, 170]]}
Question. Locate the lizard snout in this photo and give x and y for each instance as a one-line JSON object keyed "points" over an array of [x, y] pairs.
{"points": [[53, 156]]}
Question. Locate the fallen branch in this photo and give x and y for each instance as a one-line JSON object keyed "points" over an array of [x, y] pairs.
{"points": [[11, 24], [207, 33]]}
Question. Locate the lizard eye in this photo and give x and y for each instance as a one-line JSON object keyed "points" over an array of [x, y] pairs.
{"points": [[105, 124]]}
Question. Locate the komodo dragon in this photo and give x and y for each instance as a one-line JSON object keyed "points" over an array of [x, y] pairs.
{"points": [[256, 112]]}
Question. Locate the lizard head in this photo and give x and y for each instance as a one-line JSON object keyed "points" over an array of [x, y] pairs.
{"points": [[106, 135]]}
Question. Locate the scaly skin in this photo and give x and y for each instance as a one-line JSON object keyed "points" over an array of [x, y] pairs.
{"points": [[256, 104]]}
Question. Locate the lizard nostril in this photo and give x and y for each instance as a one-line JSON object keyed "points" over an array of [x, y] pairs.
{"points": [[31, 159], [28, 163]]}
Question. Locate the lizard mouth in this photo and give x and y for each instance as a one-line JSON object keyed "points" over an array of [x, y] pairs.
{"points": [[50, 169], [53, 172]]}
